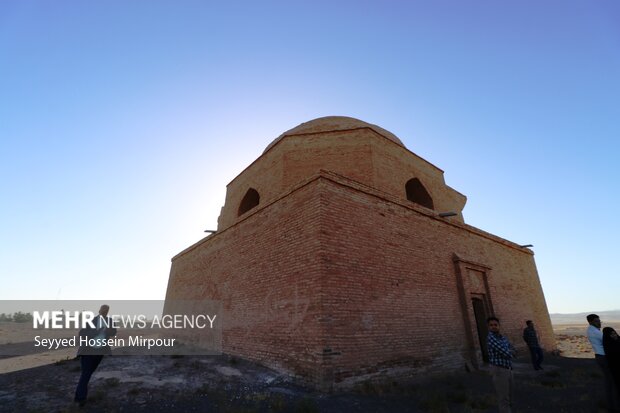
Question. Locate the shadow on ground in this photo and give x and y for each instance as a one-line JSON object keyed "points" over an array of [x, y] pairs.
{"points": [[226, 384]]}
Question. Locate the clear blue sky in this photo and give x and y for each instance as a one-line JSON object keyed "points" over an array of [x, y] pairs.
{"points": [[122, 122]]}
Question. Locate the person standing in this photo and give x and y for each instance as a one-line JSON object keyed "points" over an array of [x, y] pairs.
{"points": [[611, 345], [530, 336], [91, 356], [500, 359], [595, 336]]}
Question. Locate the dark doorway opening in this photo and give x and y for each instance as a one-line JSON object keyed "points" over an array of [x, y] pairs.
{"points": [[481, 325]]}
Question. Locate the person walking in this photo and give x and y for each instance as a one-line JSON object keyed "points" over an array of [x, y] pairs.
{"points": [[91, 355], [500, 359], [530, 336]]}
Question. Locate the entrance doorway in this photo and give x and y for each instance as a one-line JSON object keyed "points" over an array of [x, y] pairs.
{"points": [[481, 325]]}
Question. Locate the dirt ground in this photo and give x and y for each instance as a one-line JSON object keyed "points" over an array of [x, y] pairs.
{"points": [[571, 339], [569, 383]]}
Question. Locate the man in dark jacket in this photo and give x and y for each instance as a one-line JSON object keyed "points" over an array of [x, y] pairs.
{"points": [[91, 355], [531, 338]]}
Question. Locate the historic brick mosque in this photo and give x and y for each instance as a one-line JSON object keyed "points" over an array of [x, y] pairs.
{"points": [[340, 255]]}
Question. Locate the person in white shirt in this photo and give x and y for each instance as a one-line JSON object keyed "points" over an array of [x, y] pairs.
{"points": [[595, 335]]}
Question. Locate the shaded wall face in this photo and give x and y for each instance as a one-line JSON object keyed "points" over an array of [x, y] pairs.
{"points": [[392, 298], [361, 155], [331, 282], [266, 272], [393, 293]]}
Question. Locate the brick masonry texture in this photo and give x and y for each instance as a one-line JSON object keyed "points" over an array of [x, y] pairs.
{"points": [[336, 277]]}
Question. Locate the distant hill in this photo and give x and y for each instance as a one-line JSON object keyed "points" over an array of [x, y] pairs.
{"points": [[612, 316]]}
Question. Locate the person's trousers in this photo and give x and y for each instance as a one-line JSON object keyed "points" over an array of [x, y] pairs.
{"points": [[537, 357], [89, 364], [503, 383], [610, 387]]}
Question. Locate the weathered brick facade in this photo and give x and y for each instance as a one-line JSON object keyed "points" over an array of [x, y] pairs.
{"points": [[326, 270]]}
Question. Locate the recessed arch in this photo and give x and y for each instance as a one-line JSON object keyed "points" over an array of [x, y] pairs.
{"points": [[416, 192], [249, 201]]}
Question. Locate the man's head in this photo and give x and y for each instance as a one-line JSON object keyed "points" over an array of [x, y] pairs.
{"points": [[529, 323], [594, 320], [103, 311], [493, 324]]}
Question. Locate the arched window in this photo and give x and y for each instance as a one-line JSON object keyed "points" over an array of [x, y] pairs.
{"points": [[418, 194], [249, 201]]}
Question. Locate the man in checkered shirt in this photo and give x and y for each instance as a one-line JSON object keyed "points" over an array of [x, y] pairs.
{"points": [[500, 360]]}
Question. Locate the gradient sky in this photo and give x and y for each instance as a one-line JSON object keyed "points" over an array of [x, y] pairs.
{"points": [[122, 122]]}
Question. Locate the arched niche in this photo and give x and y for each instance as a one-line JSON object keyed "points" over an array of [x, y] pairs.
{"points": [[249, 201], [416, 192]]}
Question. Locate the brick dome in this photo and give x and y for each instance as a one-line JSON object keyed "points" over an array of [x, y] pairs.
{"points": [[333, 123]]}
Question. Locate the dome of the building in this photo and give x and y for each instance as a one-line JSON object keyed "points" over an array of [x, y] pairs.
{"points": [[333, 123]]}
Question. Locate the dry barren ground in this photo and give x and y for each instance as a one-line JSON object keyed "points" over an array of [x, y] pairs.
{"points": [[571, 339], [224, 384]]}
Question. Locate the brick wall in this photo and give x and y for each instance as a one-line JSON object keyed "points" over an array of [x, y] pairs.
{"points": [[265, 271], [335, 280], [393, 291]]}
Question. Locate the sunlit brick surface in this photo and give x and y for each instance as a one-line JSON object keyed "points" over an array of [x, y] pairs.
{"points": [[335, 276]]}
